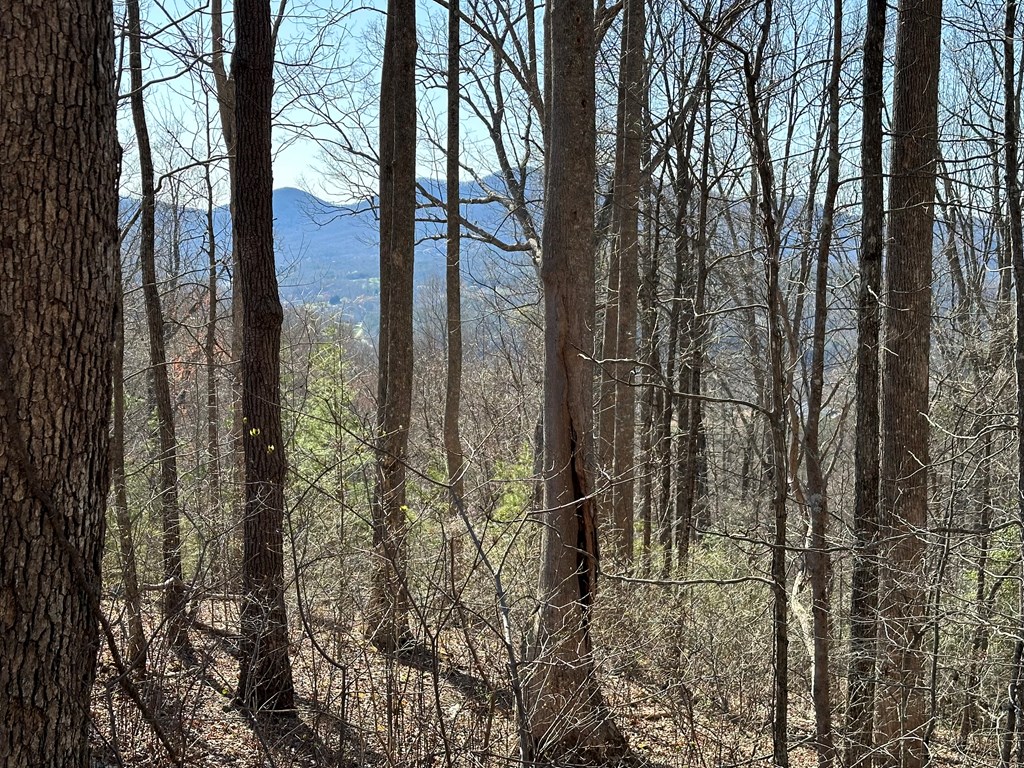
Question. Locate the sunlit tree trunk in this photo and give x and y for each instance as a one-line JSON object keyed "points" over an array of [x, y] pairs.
{"points": [[387, 613], [568, 721]]}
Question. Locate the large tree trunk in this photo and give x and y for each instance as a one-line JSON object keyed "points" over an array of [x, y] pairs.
{"points": [[902, 693], [173, 603], [567, 718], [58, 251], [864, 578], [265, 677], [387, 612]]}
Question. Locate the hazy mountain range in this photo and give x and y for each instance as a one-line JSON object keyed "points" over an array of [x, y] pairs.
{"points": [[328, 254]]}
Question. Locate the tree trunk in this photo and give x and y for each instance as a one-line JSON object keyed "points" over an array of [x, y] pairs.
{"points": [[818, 560], [387, 613], [225, 91], [265, 675], [1011, 130], [864, 578], [902, 693], [122, 518], [568, 721], [777, 409], [222, 569], [58, 251], [453, 284], [173, 594]]}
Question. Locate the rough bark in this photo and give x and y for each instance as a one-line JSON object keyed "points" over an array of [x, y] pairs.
{"points": [[568, 721], [173, 602], [387, 612], [902, 694], [265, 676], [58, 251], [864, 577]]}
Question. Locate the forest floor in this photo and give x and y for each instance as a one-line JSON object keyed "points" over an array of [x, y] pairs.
{"points": [[444, 703]]}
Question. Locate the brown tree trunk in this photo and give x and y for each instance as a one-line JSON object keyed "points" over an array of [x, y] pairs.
{"points": [[818, 560], [453, 297], [567, 717], [225, 92], [265, 675], [173, 601], [1011, 131], [864, 577], [122, 518], [902, 691], [777, 409], [222, 569], [58, 251], [626, 243], [387, 613]]}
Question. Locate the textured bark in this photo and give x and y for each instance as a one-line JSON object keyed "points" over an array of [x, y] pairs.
{"points": [[902, 691], [387, 612], [265, 676], [864, 577], [173, 605], [568, 721], [58, 251]]}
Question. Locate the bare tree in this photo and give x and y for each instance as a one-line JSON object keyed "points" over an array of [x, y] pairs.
{"points": [[567, 717], [901, 705], [174, 600], [265, 676], [387, 622], [864, 578]]}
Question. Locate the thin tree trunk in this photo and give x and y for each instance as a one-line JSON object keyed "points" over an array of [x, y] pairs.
{"points": [[173, 603], [265, 674], [864, 578], [453, 283], [212, 401], [777, 409], [387, 612], [122, 518], [1011, 130], [818, 561]]}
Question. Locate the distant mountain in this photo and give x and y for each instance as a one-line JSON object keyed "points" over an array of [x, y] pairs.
{"points": [[328, 254]]}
